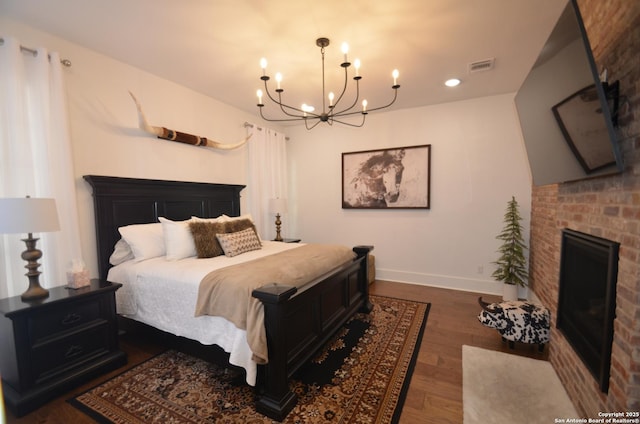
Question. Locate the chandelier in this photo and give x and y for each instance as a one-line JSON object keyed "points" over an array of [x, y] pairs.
{"points": [[330, 113]]}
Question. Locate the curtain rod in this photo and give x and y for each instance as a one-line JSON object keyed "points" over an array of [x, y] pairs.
{"points": [[249, 125], [64, 62]]}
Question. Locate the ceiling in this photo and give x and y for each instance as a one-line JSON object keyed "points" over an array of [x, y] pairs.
{"points": [[215, 46]]}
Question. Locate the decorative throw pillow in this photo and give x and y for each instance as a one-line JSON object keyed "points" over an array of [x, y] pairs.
{"points": [[204, 238], [239, 242], [178, 240], [235, 225], [146, 240]]}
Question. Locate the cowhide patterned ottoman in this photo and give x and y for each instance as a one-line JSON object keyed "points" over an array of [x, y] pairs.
{"points": [[517, 321]]}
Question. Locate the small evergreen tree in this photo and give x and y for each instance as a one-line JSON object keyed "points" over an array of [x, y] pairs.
{"points": [[512, 266]]}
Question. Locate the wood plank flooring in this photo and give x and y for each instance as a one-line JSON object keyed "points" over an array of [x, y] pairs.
{"points": [[435, 392]]}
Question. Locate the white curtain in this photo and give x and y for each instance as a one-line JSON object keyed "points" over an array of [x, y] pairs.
{"points": [[267, 177], [36, 160]]}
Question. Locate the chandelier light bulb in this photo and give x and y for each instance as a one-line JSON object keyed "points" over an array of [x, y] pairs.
{"points": [[263, 65], [395, 74], [364, 105], [345, 50], [331, 97], [259, 94], [278, 79], [356, 64]]}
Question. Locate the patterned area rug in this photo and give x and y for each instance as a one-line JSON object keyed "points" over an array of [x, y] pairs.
{"points": [[361, 376]]}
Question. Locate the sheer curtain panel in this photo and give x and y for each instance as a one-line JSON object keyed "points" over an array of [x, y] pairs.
{"points": [[267, 177], [36, 160]]}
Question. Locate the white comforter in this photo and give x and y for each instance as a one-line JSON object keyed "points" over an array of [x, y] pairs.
{"points": [[163, 294]]}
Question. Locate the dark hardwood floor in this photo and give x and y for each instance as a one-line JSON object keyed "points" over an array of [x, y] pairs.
{"points": [[435, 392]]}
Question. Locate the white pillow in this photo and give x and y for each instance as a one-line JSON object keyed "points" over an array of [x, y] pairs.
{"points": [[121, 253], [146, 240], [198, 219], [178, 240], [239, 242], [226, 218]]}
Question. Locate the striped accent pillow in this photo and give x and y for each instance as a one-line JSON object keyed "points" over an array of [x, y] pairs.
{"points": [[239, 242]]}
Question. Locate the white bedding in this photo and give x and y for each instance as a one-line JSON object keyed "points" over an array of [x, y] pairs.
{"points": [[163, 294]]}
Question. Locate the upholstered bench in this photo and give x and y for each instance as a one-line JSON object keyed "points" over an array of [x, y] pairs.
{"points": [[517, 321]]}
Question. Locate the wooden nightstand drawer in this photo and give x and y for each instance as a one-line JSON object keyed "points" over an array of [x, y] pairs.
{"points": [[61, 355], [56, 320]]}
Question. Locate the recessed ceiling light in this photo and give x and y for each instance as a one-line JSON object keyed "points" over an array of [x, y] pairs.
{"points": [[452, 82]]}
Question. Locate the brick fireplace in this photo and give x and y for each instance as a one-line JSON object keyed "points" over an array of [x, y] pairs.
{"points": [[607, 207]]}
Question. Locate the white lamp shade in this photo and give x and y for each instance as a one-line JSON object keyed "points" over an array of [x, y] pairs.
{"points": [[278, 205], [28, 215]]}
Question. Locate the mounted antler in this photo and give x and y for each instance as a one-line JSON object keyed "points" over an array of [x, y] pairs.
{"points": [[167, 134]]}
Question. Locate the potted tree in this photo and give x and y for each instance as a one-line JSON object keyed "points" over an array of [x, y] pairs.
{"points": [[512, 266]]}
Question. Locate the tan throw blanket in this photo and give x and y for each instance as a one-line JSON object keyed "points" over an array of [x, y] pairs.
{"points": [[227, 292]]}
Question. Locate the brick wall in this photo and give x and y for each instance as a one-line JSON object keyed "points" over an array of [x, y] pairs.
{"points": [[607, 207]]}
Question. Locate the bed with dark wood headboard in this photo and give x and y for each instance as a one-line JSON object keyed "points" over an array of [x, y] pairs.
{"points": [[297, 322]]}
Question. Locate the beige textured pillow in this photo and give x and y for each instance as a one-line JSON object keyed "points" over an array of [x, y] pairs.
{"points": [[239, 242], [204, 237], [233, 226]]}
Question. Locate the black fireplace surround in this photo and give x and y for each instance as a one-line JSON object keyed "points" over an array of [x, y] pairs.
{"points": [[587, 299]]}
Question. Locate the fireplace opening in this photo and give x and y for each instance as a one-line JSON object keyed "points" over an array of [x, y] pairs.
{"points": [[587, 299]]}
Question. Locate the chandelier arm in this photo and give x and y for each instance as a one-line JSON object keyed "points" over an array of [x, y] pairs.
{"points": [[355, 101], [364, 116], [306, 124], [395, 96], [281, 120], [282, 105], [344, 90]]}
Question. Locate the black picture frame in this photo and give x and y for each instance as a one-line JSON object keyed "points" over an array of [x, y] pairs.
{"points": [[580, 119], [393, 178]]}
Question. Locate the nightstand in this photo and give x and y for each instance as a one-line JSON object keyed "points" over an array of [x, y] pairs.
{"points": [[289, 240], [50, 345]]}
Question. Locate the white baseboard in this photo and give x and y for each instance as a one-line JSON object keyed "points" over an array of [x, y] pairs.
{"points": [[441, 281], [451, 282]]}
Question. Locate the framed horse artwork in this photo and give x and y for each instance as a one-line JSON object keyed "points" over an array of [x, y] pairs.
{"points": [[394, 178]]}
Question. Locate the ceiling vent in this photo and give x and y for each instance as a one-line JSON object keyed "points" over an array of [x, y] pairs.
{"points": [[481, 65]]}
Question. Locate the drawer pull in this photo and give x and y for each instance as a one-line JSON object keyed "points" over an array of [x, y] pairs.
{"points": [[72, 318], [74, 350]]}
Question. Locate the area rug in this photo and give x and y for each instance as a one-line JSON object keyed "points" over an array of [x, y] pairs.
{"points": [[361, 375], [502, 388]]}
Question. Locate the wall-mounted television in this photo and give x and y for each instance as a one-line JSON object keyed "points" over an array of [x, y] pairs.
{"points": [[566, 112]]}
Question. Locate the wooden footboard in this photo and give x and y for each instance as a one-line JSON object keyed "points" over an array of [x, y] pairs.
{"points": [[299, 322]]}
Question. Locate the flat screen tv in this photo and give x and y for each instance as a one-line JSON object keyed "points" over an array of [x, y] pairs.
{"points": [[566, 111]]}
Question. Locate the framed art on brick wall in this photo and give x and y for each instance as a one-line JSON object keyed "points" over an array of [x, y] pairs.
{"points": [[395, 178]]}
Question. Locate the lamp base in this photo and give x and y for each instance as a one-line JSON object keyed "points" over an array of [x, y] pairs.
{"points": [[278, 223], [31, 255], [34, 293]]}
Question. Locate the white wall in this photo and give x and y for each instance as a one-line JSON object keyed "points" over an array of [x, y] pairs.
{"points": [[477, 163], [104, 132]]}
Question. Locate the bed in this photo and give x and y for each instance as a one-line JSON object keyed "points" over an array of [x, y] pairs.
{"points": [[297, 321]]}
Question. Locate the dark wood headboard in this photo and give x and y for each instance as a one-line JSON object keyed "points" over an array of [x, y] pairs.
{"points": [[123, 201]]}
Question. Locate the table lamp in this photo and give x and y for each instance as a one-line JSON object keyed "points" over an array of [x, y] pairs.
{"points": [[29, 215], [278, 206]]}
